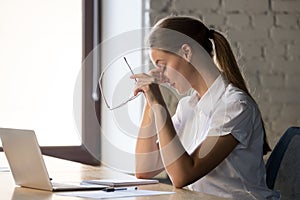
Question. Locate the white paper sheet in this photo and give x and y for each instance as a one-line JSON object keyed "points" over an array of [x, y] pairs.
{"points": [[115, 194], [4, 169]]}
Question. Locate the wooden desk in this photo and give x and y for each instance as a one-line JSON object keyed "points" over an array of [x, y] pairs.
{"points": [[62, 170]]}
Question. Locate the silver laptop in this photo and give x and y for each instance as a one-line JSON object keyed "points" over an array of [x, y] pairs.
{"points": [[27, 164]]}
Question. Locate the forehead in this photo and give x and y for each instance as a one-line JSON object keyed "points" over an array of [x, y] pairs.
{"points": [[159, 54]]}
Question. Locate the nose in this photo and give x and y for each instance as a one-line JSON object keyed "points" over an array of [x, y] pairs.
{"points": [[164, 75]]}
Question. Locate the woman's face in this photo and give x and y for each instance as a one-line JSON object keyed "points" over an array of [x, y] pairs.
{"points": [[174, 69]]}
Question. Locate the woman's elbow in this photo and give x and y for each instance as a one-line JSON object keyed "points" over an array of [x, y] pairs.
{"points": [[142, 176], [145, 175], [178, 184], [181, 181]]}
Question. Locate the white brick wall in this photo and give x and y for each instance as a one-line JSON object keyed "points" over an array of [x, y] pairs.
{"points": [[288, 6], [286, 21], [245, 6], [266, 36]]}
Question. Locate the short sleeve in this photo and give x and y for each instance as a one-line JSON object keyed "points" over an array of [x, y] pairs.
{"points": [[177, 117], [234, 118]]}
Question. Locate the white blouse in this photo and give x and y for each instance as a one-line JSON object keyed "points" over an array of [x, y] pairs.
{"points": [[225, 109]]}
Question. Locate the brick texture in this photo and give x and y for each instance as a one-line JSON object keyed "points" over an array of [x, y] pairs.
{"points": [[266, 36]]}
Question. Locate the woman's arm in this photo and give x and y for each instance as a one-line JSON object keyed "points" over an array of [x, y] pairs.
{"points": [[183, 168], [148, 160]]}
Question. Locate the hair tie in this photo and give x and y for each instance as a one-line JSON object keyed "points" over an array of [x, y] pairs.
{"points": [[211, 34]]}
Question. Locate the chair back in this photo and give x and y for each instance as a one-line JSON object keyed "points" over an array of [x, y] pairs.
{"points": [[283, 165]]}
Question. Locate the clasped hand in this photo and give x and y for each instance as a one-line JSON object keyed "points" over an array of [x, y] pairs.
{"points": [[148, 84]]}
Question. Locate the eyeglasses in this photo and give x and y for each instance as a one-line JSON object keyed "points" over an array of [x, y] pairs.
{"points": [[113, 107]]}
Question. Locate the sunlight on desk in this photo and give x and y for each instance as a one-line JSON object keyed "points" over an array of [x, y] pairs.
{"points": [[66, 171]]}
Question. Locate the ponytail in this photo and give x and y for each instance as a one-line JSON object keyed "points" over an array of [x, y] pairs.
{"points": [[227, 62], [229, 68]]}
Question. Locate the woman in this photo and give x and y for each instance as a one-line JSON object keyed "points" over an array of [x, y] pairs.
{"points": [[215, 142]]}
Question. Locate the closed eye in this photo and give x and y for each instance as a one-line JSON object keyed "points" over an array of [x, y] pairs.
{"points": [[161, 66]]}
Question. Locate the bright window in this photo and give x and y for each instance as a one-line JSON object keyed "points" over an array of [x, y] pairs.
{"points": [[40, 60]]}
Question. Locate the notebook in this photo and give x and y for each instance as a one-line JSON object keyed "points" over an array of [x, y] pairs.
{"points": [[27, 164], [122, 182]]}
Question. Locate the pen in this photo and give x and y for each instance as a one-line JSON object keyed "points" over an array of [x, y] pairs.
{"points": [[112, 189]]}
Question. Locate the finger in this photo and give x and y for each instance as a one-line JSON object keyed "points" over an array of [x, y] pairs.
{"points": [[152, 73], [155, 70], [155, 77], [165, 79], [142, 75], [160, 78], [155, 74], [137, 91], [159, 75], [147, 80], [143, 85]]}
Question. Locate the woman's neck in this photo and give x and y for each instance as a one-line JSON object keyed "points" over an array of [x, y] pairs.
{"points": [[201, 81], [206, 71]]}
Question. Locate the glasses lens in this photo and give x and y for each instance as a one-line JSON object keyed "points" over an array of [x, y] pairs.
{"points": [[116, 85]]}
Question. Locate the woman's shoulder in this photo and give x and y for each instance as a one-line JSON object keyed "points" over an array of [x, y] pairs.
{"points": [[236, 99], [236, 95]]}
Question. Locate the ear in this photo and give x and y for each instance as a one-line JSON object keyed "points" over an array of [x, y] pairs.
{"points": [[186, 52]]}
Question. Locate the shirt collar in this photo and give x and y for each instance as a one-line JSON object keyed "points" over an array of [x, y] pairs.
{"points": [[210, 98]]}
